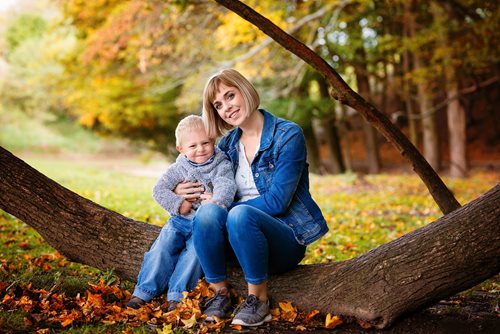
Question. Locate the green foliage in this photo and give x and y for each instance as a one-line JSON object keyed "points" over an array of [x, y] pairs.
{"points": [[34, 69], [45, 132], [25, 27]]}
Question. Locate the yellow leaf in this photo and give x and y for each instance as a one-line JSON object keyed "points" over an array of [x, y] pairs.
{"points": [[287, 307], [190, 322], [288, 311], [167, 329], [332, 321]]}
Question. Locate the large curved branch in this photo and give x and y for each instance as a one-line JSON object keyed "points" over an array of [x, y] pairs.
{"points": [[454, 253], [342, 92]]}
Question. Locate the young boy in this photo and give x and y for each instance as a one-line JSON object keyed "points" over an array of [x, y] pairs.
{"points": [[176, 266]]}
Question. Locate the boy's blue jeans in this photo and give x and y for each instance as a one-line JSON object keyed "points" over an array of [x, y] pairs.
{"points": [[170, 263], [262, 243]]}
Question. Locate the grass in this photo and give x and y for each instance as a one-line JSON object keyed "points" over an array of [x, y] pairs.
{"points": [[362, 213]]}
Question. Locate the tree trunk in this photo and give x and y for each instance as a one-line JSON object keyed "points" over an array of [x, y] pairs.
{"points": [[361, 72], [325, 132], [78, 228], [454, 111], [454, 253], [332, 133], [409, 28], [342, 92]]}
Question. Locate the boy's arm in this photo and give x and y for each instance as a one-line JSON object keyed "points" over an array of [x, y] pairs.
{"points": [[163, 190], [224, 186]]}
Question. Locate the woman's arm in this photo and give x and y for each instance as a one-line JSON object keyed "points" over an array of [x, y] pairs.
{"points": [[289, 165]]}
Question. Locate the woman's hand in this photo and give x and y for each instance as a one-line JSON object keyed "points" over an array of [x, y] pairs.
{"points": [[191, 191]]}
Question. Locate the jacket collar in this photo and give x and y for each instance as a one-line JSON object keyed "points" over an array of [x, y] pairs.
{"points": [[268, 130]]}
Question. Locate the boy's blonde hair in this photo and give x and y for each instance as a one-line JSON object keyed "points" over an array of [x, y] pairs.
{"points": [[213, 122], [191, 122]]}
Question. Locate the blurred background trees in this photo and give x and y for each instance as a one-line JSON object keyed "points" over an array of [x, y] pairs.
{"points": [[134, 68]]}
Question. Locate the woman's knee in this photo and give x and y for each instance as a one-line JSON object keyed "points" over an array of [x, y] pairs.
{"points": [[210, 216], [239, 219]]}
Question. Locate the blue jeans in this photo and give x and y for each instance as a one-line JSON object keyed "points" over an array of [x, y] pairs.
{"points": [[171, 262], [262, 243]]}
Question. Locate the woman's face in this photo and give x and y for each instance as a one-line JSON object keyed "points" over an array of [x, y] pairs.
{"points": [[230, 105]]}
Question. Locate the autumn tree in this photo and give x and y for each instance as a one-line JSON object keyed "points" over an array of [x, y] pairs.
{"points": [[461, 249]]}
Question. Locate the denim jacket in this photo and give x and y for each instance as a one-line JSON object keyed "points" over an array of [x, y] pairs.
{"points": [[280, 172]]}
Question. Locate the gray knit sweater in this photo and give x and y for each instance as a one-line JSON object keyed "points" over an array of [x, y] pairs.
{"points": [[217, 178]]}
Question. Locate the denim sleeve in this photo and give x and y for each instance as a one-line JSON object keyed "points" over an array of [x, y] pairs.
{"points": [[163, 190], [289, 165]]}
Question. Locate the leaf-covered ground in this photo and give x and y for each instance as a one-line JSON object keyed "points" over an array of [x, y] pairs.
{"points": [[41, 291]]}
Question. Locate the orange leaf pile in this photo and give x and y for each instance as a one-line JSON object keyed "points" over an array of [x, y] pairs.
{"points": [[105, 304]]}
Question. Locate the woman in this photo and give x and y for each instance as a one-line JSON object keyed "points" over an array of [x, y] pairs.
{"points": [[274, 217]]}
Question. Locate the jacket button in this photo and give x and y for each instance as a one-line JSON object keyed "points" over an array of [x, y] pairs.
{"points": [[257, 174]]}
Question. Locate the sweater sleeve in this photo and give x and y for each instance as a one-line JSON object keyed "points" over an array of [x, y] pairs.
{"points": [[224, 186], [163, 190]]}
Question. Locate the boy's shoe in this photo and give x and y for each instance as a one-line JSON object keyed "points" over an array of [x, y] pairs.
{"points": [[135, 302], [252, 312], [172, 305], [218, 305]]}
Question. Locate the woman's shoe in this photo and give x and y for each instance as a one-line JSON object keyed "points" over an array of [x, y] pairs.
{"points": [[252, 312]]}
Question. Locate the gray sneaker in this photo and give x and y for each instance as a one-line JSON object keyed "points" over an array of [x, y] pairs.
{"points": [[218, 306], [252, 312]]}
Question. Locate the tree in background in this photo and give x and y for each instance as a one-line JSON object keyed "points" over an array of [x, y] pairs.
{"points": [[34, 48], [133, 68]]}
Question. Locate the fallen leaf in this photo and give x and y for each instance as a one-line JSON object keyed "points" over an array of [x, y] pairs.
{"points": [[310, 316], [190, 322], [23, 245], [364, 324], [288, 311], [332, 321], [166, 329]]}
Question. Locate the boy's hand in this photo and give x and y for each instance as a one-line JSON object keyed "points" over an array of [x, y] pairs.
{"points": [[206, 198], [185, 207]]}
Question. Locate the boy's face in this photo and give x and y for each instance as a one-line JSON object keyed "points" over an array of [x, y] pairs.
{"points": [[195, 145]]}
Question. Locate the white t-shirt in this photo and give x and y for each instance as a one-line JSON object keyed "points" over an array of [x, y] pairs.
{"points": [[246, 188]]}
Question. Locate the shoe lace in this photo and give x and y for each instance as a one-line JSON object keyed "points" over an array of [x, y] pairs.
{"points": [[252, 303], [216, 301]]}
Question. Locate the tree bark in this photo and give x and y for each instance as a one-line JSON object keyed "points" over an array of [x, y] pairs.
{"points": [[370, 136], [454, 253], [342, 92], [78, 228], [409, 30], [457, 127]]}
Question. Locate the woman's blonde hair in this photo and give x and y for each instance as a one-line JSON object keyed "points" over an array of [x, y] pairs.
{"points": [[214, 124]]}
